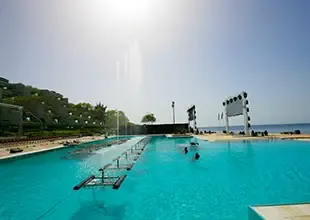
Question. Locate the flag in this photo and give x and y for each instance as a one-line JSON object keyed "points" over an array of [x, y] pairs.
{"points": [[222, 115]]}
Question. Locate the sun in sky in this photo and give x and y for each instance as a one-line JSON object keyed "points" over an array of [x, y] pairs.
{"points": [[128, 13]]}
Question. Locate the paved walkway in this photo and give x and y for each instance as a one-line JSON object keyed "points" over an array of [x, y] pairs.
{"points": [[41, 147], [293, 211]]}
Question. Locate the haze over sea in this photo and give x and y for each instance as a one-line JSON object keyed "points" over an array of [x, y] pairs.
{"points": [[271, 128]]}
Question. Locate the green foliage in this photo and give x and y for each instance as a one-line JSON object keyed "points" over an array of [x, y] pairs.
{"points": [[48, 113], [111, 119], [149, 118], [99, 112]]}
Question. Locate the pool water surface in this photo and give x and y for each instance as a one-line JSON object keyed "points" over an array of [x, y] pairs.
{"points": [[165, 183]]}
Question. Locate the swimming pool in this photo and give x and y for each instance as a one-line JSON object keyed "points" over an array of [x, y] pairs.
{"points": [[164, 183]]}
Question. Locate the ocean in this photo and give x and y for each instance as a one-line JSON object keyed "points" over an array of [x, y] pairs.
{"points": [[272, 128]]}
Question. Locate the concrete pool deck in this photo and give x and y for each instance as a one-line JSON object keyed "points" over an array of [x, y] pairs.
{"points": [[279, 212], [30, 149], [224, 137]]}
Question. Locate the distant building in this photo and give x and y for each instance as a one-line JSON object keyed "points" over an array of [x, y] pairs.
{"points": [[9, 116], [20, 89], [3, 82], [49, 106], [5, 87], [13, 89]]}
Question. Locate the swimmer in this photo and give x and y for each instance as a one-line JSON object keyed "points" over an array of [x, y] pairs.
{"points": [[185, 150], [197, 156]]}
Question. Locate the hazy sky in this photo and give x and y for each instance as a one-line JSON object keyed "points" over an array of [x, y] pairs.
{"points": [[139, 55]]}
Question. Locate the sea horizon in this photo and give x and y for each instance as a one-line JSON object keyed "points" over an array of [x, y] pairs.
{"points": [[271, 128]]}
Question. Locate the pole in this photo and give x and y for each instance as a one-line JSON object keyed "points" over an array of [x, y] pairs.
{"points": [[195, 122], [227, 122], [117, 124], [173, 112], [173, 115], [102, 176]]}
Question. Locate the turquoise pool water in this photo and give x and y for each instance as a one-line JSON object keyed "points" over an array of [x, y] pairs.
{"points": [[164, 183]]}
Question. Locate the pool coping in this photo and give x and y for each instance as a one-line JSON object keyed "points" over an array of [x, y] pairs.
{"points": [[274, 211], [23, 154]]}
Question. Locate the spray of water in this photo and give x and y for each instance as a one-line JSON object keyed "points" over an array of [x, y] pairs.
{"points": [[135, 63], [118, 87], [130, 70]]}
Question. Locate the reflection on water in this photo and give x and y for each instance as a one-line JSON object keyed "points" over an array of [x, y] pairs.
{"points": [[245, 149], [241, 155]]}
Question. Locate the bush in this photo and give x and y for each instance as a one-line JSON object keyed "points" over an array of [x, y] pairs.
{"points": [[297, 132], [266, 133], [224, 131]]}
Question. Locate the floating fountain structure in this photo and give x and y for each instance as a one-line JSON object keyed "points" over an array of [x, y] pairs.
{"points": [[104, 179]]}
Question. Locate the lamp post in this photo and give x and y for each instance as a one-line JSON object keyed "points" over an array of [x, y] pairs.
{"points": [[173, 113]]}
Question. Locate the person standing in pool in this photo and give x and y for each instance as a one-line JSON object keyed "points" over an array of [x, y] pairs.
{"points": [[185, 150], [197, 156]]}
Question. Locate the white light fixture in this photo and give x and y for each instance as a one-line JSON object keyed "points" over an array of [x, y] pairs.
{"points": [[42, 103], [89, 116], [94, 123], [76, 121], [70, 113], [5, 88], [86, 122], [81, 116], [49, 111]]}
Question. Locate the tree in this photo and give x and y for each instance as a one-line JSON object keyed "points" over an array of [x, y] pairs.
{"points": [[149, 118], [111, 119], [100, 112]]}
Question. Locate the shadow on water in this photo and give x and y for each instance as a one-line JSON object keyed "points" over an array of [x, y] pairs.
{"points": [[200, 167], [99, 210]]}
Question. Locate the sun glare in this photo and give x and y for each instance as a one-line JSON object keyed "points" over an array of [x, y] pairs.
{"points": [[128, 11]]}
